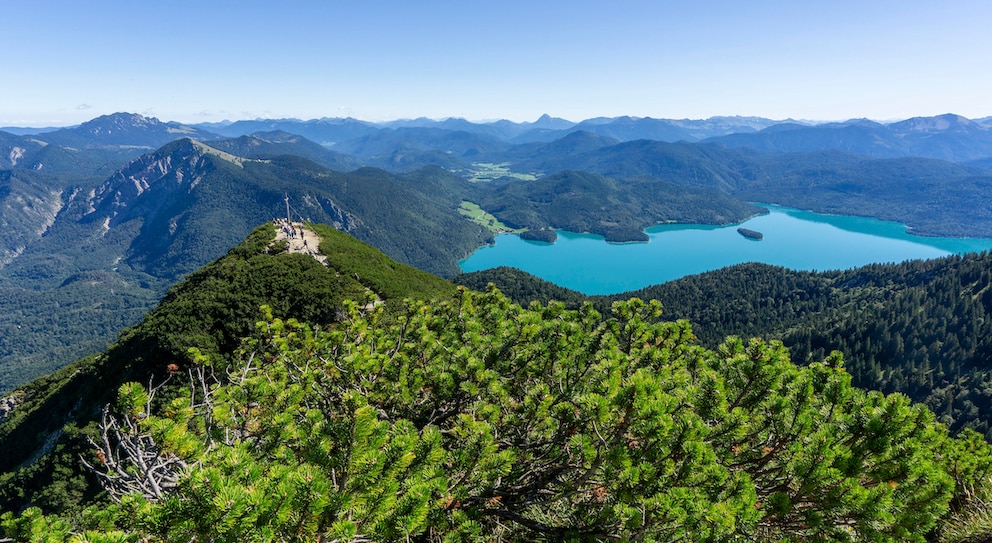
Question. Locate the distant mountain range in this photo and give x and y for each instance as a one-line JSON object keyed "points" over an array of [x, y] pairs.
{"points": [[946, 137], [105, 220], [99, 219]]}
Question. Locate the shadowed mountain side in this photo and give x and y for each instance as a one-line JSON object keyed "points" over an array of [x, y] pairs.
{"points": [[680, 163], [29, 204], [932, 197]]}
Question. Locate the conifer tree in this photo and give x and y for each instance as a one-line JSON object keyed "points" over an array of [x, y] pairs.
{"points": [[475, 419]]}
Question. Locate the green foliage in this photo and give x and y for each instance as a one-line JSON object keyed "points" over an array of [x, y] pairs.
{"points": [[210, 311], [923, 328], [974, 524], [475, 419], [389, 279], [524, 288], [547, 235], [477, 215]]}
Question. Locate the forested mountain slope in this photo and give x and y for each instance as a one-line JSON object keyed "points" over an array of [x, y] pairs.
{"points": [[920, 327], [210, 310], [110, 250], [930, 196], [618, 210], [462, 417]]}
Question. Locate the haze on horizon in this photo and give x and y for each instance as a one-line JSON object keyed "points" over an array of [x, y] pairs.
{"points": [[194, 61]]}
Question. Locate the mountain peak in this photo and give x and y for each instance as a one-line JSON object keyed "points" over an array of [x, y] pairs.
{"points": [[181, 161], [123, 118], [552, 123], [123, 129], [938, 123]]}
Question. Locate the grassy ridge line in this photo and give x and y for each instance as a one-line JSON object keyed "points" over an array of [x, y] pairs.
{"points": [[388, 278]]}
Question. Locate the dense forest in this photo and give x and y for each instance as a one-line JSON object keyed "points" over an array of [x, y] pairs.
{"points": [[619, 211], [921, 327], [474, 419]]}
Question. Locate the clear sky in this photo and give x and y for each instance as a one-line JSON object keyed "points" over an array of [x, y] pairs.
{"points": [[68, 61]]}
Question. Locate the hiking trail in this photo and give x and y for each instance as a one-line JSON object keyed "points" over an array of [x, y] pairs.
{"points": [[301, 239], [305, 241]]}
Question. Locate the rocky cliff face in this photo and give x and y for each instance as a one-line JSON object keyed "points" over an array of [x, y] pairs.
{"points": [[9, 403], [15, 151], [178, 166], [29, 205]]}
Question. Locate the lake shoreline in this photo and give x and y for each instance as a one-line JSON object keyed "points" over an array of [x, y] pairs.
{"points": [[793, 238]]}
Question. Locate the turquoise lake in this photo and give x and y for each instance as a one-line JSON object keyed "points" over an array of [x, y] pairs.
{"points": [[796, 239]]}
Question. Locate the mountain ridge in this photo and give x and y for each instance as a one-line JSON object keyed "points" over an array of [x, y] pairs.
{"points": [[101, 249], [451, 386], [147, 228], [211, 309], [948, 137], [167, 213]]}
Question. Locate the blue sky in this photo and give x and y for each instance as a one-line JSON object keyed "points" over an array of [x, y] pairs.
{"points": [[195, 61]]}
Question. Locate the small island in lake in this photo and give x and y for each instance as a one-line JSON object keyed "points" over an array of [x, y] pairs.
{"points": [[547, 235], [750, 234]]}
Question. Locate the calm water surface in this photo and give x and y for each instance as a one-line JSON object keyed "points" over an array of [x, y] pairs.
{"points": [[796, 239]]}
